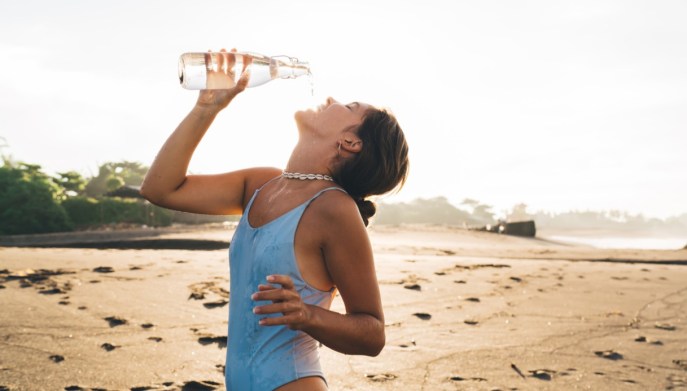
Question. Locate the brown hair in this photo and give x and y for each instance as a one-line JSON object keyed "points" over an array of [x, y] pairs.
{"points": [[380, 166]]}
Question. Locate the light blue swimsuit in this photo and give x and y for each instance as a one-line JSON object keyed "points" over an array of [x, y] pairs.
{"points": [[262, 358]]}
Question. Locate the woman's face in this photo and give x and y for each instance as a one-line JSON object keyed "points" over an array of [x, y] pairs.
{"points": [[332, 117]]}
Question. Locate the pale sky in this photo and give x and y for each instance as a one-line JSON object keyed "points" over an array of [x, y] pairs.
{"points": [[559, 104]]}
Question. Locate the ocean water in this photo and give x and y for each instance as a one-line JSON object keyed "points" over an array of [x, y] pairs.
{"points": [[646, 243]]}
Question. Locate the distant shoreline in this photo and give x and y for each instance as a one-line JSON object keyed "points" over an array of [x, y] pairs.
{"points": [[193, 237]]}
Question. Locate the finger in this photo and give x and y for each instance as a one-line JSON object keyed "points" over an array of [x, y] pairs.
{"points": [[277, 308], [266, 287], [243, 81], [231, 61], [208, 60], [285, 281], [276, 295], [222, 62], [247, 60]]}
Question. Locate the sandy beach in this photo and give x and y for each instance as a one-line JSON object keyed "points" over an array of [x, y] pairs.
{"points": [[464, 311]]}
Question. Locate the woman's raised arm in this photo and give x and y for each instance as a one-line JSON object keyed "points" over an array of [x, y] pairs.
{"points": [[167, 183]]}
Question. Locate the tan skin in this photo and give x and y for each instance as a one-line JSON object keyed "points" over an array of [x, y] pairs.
{"points": [[331, 243]]}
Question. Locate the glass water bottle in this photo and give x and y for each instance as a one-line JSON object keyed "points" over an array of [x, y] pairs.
{"points": [[222, 70]]}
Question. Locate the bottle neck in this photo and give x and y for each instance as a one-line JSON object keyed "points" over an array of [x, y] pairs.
{"points": [[290, 67]]}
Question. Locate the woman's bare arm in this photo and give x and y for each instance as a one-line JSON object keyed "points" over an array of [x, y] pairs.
{"points": [[349, 259], [167, 183]]}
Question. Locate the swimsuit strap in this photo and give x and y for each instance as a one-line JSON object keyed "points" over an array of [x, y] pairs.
{"points": [[323, 190]]}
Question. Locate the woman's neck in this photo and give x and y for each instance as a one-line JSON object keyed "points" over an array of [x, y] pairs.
{"points": [[311, 158]]}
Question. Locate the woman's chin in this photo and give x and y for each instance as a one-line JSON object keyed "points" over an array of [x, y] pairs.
{"points": [[302, 116]]}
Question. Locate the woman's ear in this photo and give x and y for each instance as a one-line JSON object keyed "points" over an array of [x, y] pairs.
{"points": [[350, 142]]}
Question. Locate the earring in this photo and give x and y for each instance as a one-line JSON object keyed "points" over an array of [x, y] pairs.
{"points": [[338, 150]]}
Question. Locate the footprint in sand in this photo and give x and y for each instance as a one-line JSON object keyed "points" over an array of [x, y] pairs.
{"points": [[103, 269], [215, 304], [206, 385], [471, 322], [542, 374], [473, 299], [156, 339], [460, 282], [414, 287], [665, 326], [108, 346], [609, 355], [147, 325], [423, 315], [151, 387], [681, 363], [115, 321], [200, 289], [407, 345], [381, 377], [460, 378], [53, 291], [614, 313], [676, 382], [207, 339], [57, 358]]}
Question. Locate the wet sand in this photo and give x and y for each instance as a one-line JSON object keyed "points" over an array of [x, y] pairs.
{"points": [[464, 311]]}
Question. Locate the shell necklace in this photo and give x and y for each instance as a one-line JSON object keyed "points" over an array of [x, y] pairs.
{"points": [[303, 177]]}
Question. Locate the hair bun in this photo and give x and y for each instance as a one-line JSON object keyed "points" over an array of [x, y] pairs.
{"points": [[367, 209]]}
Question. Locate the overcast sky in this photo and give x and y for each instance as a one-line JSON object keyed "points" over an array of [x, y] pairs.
{"points": [[561, 105]]}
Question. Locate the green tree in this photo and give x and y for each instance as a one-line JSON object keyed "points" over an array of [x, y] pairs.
{"points": [[29, 201], [6, 159], [435, 210], [480, 212], [111, 173], [114, 183], [72, 183]]}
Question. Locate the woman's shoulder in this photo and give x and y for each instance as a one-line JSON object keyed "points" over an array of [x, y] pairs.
{"points": [[256, 177], [334, 204]]}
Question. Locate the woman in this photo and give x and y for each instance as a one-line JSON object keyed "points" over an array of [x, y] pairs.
{"points": [[301, 237]]}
